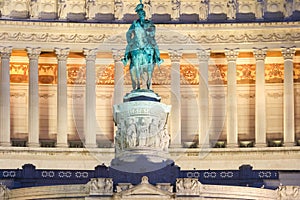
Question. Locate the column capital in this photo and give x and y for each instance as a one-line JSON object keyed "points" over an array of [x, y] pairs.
{"points": [[175, 55], [90, 54], [62, 53], [118, 54], [33, 53], [5, 52], [203, 54], [231, 54], [260, 54], [288, 53]]}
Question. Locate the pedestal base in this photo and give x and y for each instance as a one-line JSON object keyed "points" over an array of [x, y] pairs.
{"points": [[142, 138], [139, 163]]}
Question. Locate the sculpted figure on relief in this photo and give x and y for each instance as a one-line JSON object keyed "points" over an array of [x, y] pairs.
{"points": [[131, 133], [118, 10], [203, 10]]}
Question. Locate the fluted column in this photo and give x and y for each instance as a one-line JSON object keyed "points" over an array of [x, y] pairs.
{"points": [[231, 104], [33, 97], [62, 99], [203, 57], [175, 56], [288, 107], [90, 98], [260, 98], [119, 76], [5, 53]]}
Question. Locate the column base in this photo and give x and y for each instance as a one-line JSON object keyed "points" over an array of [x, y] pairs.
{"points": [[33, 144], [289, 144], [91, 145], [232, 145], [62, 145], [204, 146], [5, 144], [175, 146], [260, 145]]}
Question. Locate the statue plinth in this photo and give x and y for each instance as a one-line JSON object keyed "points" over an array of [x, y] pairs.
{"points": [[142, 137]]}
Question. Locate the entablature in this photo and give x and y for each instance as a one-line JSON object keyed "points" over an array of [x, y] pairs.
{"points": [[190, 37]]}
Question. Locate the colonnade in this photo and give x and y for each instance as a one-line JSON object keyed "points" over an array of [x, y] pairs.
{"points": [[175, 55]]}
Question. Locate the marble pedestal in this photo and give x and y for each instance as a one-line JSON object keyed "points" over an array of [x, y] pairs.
{"points": [[142, 138]]}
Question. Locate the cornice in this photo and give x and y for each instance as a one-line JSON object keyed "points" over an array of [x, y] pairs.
{"points": [[295, 24]]}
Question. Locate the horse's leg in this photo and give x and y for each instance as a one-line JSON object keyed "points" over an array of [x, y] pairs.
{"points": [[149, 74], [133, 77]]}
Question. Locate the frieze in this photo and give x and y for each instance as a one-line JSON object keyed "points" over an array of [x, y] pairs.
{"points": [[75, 96], [4, 192], [275, 95], [183, 35], [104, 96], [288, 192], [189, 96], [17, 94], [141, 125], [101, 186], [46, 95], [247, 96], [45, 37], [124, 186], [187, 186], [217, 96]]}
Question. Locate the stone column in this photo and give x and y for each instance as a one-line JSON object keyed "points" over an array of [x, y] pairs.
{"points": [[203, 56], [62, 98], [90, 99], [231, 104], [5, 53], [260, 98], [33, 97], [288, 107], [175, 56], [119, 76]]}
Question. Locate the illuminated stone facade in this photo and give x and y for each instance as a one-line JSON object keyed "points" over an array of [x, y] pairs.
{"points": [[232, 77]]}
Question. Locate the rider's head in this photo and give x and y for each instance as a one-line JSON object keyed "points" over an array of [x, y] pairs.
{"points": [[139, 10], [141, 14]]}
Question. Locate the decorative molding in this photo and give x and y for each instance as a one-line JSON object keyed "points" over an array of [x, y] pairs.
{"points": [[275, 95], [51, 37], [46, 95], [118, 54], [203, 55], [90, 54], [75, 96], [231, 54], [4, 192], [189, 74], [17, 94], [104, 96], [101, 186], [288, 53], [185, 33], [62, 53], [5, 52], [124, 186], [260, 54], [217, 96], [175, 55], [288, 192], [189, 96], [33, 53], [187, 187], [247, 96]]}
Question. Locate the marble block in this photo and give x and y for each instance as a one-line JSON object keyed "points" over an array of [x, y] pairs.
{"points": [[141, 133]]}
